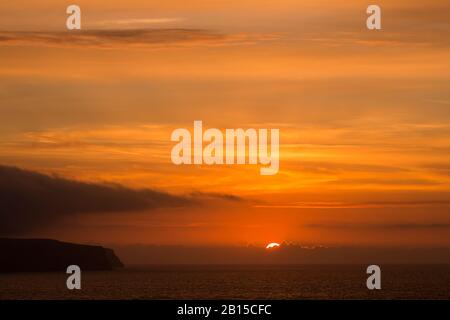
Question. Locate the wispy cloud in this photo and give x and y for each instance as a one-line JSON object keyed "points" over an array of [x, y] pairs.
{"points": [[136, 22], [117, 38], [395, 226], [351, 205]]}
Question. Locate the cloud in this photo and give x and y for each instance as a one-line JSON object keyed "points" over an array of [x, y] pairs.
{"points": [[119, 38], [355, 205], [216, 196], [375, 181], [286, 254], [438, 168], [29, 199], [137, 21], [393, 226]]}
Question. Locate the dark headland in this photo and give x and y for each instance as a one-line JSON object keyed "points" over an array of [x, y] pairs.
{"points": [[44, 255]]}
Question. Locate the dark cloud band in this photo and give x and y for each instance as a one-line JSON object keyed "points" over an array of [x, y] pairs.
{"points": [[29, 199]]}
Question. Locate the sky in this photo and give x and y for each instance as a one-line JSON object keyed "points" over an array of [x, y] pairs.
{"points": [[364, 119]]}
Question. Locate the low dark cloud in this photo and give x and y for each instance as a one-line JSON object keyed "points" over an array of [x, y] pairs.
{"points": [[286, 254], [29, 199]]}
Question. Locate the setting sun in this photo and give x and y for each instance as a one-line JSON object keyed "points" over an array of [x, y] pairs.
{"points": [[272, 245]]}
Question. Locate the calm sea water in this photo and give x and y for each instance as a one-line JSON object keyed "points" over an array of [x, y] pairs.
{"points": [[235, 282]]}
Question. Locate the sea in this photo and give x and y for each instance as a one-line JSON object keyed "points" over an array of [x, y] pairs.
{"points": [[234, 282]]}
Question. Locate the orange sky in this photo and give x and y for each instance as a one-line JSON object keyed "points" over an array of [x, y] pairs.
{"points": [[364, 116]]}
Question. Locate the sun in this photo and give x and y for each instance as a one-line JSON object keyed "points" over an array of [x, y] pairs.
{"points": [[272, 245]]}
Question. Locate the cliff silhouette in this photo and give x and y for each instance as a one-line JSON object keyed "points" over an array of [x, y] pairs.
{"points": [[45, 255]]}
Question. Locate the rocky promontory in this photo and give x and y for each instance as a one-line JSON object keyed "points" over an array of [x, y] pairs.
{"points": [[45, 255]]}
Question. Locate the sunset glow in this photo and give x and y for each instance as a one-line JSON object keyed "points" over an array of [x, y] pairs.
{"points": [[363, 119]]}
